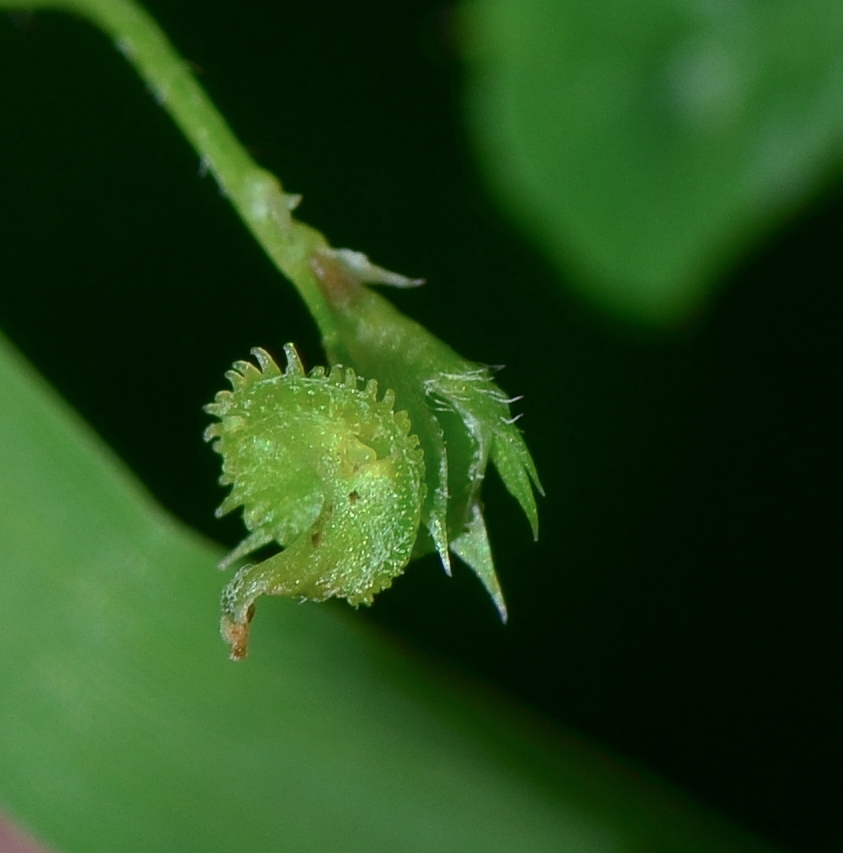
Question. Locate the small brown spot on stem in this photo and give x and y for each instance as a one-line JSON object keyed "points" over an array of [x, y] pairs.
{"points": [[337, 285]]}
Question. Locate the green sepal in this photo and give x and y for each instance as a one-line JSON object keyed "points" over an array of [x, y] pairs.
{"points": [[472, 547], [461, 416]]}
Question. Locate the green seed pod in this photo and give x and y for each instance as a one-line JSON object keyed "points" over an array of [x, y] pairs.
{"points": [[322, 468]]}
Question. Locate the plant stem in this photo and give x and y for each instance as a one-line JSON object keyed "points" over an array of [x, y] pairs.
{"points": [[256, 194]]}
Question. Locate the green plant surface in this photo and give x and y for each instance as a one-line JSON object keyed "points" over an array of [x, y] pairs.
{"points": [[643, 144], [125, 728]]}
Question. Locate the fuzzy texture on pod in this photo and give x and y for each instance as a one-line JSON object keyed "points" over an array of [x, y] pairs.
{"points": [[325, 470]]}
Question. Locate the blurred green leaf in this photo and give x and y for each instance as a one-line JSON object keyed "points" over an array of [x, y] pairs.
{"points": [[125, 726], [644, 143]]}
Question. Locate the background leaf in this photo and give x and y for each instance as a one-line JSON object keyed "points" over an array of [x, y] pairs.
{"points": [[644, 144]]}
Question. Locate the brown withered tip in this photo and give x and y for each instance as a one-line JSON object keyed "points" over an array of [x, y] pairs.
{"points": [[236, 634]]}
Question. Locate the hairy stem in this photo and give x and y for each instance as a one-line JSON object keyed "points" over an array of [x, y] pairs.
{"points": [[256, 194]]}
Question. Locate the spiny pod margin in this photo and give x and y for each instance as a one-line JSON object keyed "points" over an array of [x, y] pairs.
{"points": [[323, 469]]}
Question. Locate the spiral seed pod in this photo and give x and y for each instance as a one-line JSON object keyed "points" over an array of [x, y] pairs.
{"points": [[325, 470]]}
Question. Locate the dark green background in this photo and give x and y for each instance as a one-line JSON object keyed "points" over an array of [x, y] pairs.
{"points": [[682, 605]]}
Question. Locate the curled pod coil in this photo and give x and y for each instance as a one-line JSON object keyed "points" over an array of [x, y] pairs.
{"points": [[325, 470]]}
